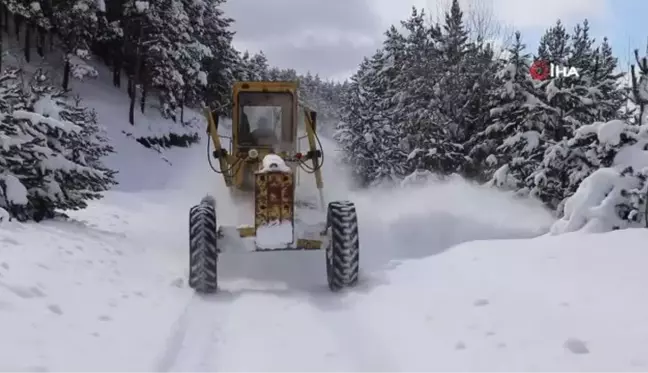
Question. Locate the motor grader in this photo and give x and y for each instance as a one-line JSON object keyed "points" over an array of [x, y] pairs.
{"points": [[262, 169]]}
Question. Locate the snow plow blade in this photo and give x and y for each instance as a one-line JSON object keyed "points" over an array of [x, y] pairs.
{"points": [[299, 245]]}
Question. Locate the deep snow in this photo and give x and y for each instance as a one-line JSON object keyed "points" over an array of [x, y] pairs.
{"points": [[107, 290]]}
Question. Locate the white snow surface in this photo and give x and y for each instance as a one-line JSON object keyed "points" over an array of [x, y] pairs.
{"points": [[275, 235], [14, 191], [593, 207], [451, 280], [607, 132]]}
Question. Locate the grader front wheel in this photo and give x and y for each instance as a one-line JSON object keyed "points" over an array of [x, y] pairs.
{"points": [[343, 251], [203, 247]]}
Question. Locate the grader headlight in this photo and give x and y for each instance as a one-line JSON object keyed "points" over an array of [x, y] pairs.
{"points": [[253, 153]]}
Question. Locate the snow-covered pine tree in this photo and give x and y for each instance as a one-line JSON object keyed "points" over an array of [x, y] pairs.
{"points": [[221, 66], [458, 86], [611, 95], [593, 96], [370, 131], [482, 69], [15, 148], [108, 45], [52, 151], [191, 51], [383, 136], [153, 35], [29, 20], [416, 108], [165, 44], [253, 67], [350, 131], [567, 96], [510, 148], [614, 195], [76, 26], [555, 48]]}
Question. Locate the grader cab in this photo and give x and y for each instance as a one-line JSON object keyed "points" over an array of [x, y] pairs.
{"points": [[261, 168]]}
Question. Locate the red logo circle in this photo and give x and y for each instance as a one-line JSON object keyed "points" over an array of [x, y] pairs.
{"points": [[539, 70]]}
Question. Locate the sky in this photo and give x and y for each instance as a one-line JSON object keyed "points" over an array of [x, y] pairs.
{"points": [[330, 37]]}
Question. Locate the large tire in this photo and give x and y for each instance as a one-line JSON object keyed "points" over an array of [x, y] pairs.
{"points": [[343, 251], [203, 247]]}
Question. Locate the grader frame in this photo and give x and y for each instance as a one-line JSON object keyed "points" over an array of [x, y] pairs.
{"points": [[266, 173]]}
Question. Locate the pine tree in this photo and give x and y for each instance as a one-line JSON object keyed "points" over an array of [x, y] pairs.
{"points": [[259, 67], [454, 90], [350, 130], [381, 133], [427, 135], [220, 67], [76, 24], [593, 96], [611, 95], [563, 95], [511, 147], [52, 151]]}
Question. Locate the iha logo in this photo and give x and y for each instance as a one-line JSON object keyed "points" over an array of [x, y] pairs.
{"points": [[543, 70]]}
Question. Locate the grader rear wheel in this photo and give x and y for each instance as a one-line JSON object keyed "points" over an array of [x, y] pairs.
{"points": [[343, 251], [203, 247]]}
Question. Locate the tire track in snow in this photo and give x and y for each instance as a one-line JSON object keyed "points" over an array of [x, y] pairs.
{"points": [[247, 330], [270, 330], [193, 335], [370, 353]]}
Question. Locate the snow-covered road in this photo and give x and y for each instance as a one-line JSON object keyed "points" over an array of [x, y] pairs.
{"points": [[80, 298], [108, 291]]}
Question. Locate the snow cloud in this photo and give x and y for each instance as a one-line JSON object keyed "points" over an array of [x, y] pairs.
{"points": [[332, 37]]}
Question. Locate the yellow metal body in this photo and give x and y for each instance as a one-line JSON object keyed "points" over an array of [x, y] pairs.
{"points": [[273, 192]]}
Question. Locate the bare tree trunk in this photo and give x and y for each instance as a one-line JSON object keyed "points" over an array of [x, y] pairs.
{"points": [[138, 64], [118, 63], [144, 85], [66, 73], [17, 23], [143, 99], [28, 29], [40, 42], [131, 109], [1, 41], [5, 16]]}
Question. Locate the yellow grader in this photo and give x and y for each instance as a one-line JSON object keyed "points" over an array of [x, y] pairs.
{"points": [[261, 169]]}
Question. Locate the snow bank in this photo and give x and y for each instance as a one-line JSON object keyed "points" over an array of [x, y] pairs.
{"points": [[569, 303], [88, 295]]}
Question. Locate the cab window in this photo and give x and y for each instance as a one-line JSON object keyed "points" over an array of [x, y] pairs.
{"points": [[265, 119]]}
